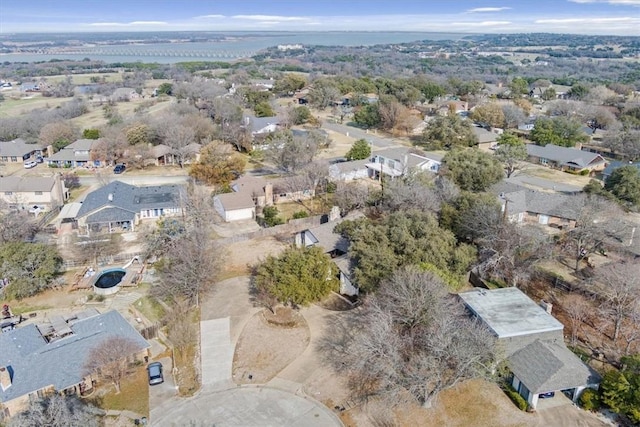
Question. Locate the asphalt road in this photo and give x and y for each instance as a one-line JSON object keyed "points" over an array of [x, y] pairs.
{"points": [[135, 179], [374, 139]]}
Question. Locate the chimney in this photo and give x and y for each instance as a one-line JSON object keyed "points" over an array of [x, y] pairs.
{"points": [[110, 197], [547, 306], [334, 214], [5, 378]]}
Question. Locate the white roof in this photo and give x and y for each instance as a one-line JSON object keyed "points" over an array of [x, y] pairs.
{"points": [[509, 312]]}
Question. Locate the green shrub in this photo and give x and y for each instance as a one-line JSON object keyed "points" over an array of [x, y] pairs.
{"points": [[589, 400], [100, 298], [516, 398], [584, 172], [300, 214]]}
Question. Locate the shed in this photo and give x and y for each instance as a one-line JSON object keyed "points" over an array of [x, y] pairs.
{"points": [[235, 206]]}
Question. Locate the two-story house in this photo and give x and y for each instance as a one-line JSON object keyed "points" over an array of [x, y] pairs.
{"points": [[396, 162], [76, 154], [39, 194]]}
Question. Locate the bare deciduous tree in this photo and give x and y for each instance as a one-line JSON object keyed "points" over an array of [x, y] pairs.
{"points": [[111, 359], [351, 196], [181, 328], [15, 226], [412, 342], [618, 284], [179, 138], [58, 410], [577, 308]]}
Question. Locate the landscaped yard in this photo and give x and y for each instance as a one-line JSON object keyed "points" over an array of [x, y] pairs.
{"points": [[133, 396]]}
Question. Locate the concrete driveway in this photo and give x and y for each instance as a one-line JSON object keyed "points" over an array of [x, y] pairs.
{"points": [[165, 392], [244, 406]]}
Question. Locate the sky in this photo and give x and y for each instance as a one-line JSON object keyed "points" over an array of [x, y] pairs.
{"points": [[620, 17]]}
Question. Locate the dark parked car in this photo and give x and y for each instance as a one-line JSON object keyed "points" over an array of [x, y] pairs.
{"points": [[548, 395], [119, 168], [155, 373]]}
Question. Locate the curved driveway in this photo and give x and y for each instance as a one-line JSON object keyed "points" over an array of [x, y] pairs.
{"points": [[246, 406]]}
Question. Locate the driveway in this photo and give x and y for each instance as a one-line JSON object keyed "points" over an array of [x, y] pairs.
{"points": [[216, 353], [165, 392], [244, 406]]}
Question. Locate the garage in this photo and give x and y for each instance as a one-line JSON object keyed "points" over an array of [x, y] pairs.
{"points": [[235, 206]]}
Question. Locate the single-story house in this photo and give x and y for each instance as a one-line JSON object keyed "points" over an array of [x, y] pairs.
{"points": [[76, 154], [37, 360], [123, 205], [523, 205], [124, 94], [395, 162], [256, 188], [235, 206], [165, 155], [606, 173], [336, 246], [458, 107], [565, 158], [18, 151], [531, 342], [47, 193], [349, 171], [261, 126], [486, 138]]}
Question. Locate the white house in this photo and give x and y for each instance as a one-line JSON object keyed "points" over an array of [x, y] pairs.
{"points": [[395, 162]]}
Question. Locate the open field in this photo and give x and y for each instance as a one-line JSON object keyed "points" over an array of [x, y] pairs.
{"points": [[18, 105], [84, 79]]}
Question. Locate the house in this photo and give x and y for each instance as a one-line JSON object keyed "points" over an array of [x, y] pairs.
{"points": [[18, 151], [486, 138], [565, 158], [256, 188], [235, 206], [165, 155], [37, 360], [261, 126], [523, 205], [615, 165], [349, 171], [45, 193], [76, 154], [335, 245], [531, 342], [123, 205], [395, 162], [124, 94], [458, 107]]}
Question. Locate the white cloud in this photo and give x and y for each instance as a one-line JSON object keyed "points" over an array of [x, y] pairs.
{"points": [[210, 17], [271, 18], [614, 2], [126, 24], [487, 9], [587, 20]]}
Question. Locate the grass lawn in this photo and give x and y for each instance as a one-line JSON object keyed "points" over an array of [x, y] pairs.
{"points": [[84, 79], [133, 396], [15, 107], [150, 308]]}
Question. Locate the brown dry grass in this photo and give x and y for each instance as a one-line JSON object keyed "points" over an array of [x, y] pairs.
{"points": [[264, 349], [133, 396], [186, 376]]}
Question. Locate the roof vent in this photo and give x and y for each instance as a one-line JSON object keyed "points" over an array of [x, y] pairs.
{"points": [[5, 377], [110, 197]]}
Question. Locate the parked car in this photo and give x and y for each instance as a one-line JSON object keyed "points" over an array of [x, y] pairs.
{"points": [[155, 373], [548, 395], [39, 159], [119, 168], [30, 164]]}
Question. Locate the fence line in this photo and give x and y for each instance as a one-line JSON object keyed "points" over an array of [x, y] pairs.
{"points": [[292, 226]]}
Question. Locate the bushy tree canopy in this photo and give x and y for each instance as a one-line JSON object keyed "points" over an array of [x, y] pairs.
{"points": [[359, 150], [299, 276], [447, 132], [30, 267], [624, 183], [472, 170], [218, 165], [560, 131], [511, 151]]}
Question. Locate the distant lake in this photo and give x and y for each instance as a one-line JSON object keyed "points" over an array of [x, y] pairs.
{"points": [[237, 46]]}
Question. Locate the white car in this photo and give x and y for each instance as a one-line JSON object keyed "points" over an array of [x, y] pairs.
{"points": [[30, 164]]}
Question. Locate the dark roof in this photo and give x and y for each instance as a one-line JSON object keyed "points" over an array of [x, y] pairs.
{"points": [[35, 364], [545, 366], [615, 165], [327, 239], [565, 156], [128, 198], [522, 199], [17, 148]]}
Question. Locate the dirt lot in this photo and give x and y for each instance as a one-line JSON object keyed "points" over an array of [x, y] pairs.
{"points": [[264, 349], [243, 255]]}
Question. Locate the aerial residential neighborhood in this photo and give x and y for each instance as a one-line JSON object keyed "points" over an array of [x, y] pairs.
{"points": [[334, 228]]}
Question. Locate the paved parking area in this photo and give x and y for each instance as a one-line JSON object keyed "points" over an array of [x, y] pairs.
{"points": [[246, 407]]}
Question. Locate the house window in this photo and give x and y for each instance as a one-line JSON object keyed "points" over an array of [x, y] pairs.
{"points": [[8, 193], [38, 193], [544, 161], [543, 219], [14, 159], [5, 158]]}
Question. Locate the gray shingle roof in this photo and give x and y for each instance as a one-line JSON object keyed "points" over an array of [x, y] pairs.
{"points": [[17, 148], [327, 239], [129, 198], [615, 165], [35, 364], [545, 366], [18, 184], [565, 156], [232, 201]]}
